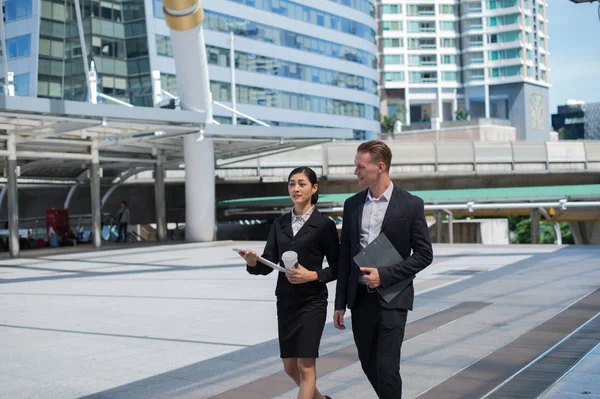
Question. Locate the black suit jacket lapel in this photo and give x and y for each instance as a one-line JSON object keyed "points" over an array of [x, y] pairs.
{"points": [[359, 213], [286, 226], [394, 207], [311, 224]]}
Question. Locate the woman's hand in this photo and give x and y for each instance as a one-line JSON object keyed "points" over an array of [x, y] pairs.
{"points": [[249, 256], [300, 275]]}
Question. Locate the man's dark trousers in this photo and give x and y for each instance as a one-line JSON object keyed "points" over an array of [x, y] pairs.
{"points": [[378, 334]]}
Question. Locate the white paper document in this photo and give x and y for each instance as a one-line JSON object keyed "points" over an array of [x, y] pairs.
{"points": [[266, 262]]}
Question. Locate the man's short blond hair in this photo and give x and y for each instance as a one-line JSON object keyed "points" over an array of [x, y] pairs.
{"points": [[379, 151]]}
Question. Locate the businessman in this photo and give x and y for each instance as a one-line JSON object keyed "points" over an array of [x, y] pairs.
{"points": [[378, 326]]}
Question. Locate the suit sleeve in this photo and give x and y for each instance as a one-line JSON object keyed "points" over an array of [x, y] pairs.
{"points": [[344, 262], [271, 252], [422, 252], [332, 253]]}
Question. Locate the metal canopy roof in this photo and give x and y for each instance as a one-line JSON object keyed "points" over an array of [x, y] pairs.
{"points": [[55, 137], [577, 202]]}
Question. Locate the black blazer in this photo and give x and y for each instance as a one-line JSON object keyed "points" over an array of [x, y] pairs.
{"points": [[405, 226], [316, 239]]}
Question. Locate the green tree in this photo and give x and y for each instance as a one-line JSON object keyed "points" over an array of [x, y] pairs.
{"points": [[520, 226], [388, 122], [462, 114]]}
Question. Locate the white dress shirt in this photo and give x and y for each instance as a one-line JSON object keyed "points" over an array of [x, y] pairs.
{"points": [[298, 221], [373, 214]]}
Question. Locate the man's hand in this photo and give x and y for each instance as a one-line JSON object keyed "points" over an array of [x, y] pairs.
{"points": [[300, 275], [338, 319], [371, 276]]}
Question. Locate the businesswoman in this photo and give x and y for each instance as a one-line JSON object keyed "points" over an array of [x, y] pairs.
{"points": [[301, 293]]}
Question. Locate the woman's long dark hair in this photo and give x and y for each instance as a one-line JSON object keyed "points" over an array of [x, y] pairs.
{"points": [[312, 178]]}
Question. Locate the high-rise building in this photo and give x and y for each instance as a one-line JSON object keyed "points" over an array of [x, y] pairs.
{"points": [[298, 63], [487, 57]]}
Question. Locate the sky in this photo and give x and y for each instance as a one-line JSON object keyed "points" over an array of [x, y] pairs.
{"points": [[574, 46]]}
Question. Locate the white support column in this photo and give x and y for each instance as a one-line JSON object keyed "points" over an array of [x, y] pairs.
{"points": [[487, 99], [159, 198], [233, 85], [13, 196], [199, 189], [407, 105], [95, 194], [440, 104], [184, 19], [157, 95], [454, 105]]}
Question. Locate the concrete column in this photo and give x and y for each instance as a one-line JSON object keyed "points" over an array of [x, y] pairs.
{"points": [[454, 105], [407, 106], [13, 196], [187, 39], [440, 104], [199, 189], [324, 159], [487, 101], [439, 221], [159, 198], [450, 227], [468, 103], [95, 194], [535, 226]]}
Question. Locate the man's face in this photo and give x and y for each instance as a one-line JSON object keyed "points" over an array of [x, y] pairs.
{"points": [[366, 170]]}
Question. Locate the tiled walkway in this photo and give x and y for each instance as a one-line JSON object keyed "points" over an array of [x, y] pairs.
{"points": [[187, 321]]}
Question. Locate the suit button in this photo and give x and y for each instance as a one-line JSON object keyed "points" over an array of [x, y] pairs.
{"points": [[292, 243]]}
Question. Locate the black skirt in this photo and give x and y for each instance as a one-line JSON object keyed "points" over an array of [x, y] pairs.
{"points": [[300, 321]]}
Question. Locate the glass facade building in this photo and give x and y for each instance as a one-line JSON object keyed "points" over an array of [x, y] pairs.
{"points": [[297, 63]]}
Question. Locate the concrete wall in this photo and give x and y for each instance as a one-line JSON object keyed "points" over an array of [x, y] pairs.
{"points": [[476, 231]]}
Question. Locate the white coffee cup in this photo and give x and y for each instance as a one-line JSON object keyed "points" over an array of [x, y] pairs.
{"points": [[290, 259]]}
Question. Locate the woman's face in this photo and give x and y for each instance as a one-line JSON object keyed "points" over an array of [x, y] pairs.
{"points": [[300, 189]]}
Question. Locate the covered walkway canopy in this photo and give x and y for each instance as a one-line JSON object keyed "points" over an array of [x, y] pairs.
{"points": [[66, 142], [564, 203]]}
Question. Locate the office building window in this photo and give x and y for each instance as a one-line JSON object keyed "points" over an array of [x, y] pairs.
{"points": [[22, 84], [505, 54], [17, 9], [505, 71], [19, 46], [394, 76], [279, 37], [272, 66], [303, 13], [393, 43], [391, 9], [447, 26], [447, 43], [393, 59], [449, 76], [493, 4], [447, 9], [54, 11], [504, 37], [221, 91], [392, 25], [163, 46], [449, 59]]}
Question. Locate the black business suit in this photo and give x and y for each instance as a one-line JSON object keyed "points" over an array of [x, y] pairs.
{"points": [[302, 308], [378, 327]]}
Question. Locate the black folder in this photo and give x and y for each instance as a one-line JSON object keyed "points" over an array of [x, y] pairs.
{"points": [[381, 253]]}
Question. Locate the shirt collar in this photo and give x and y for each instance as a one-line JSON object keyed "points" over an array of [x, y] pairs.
{"points": [[305, 216], [384, 197]]}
